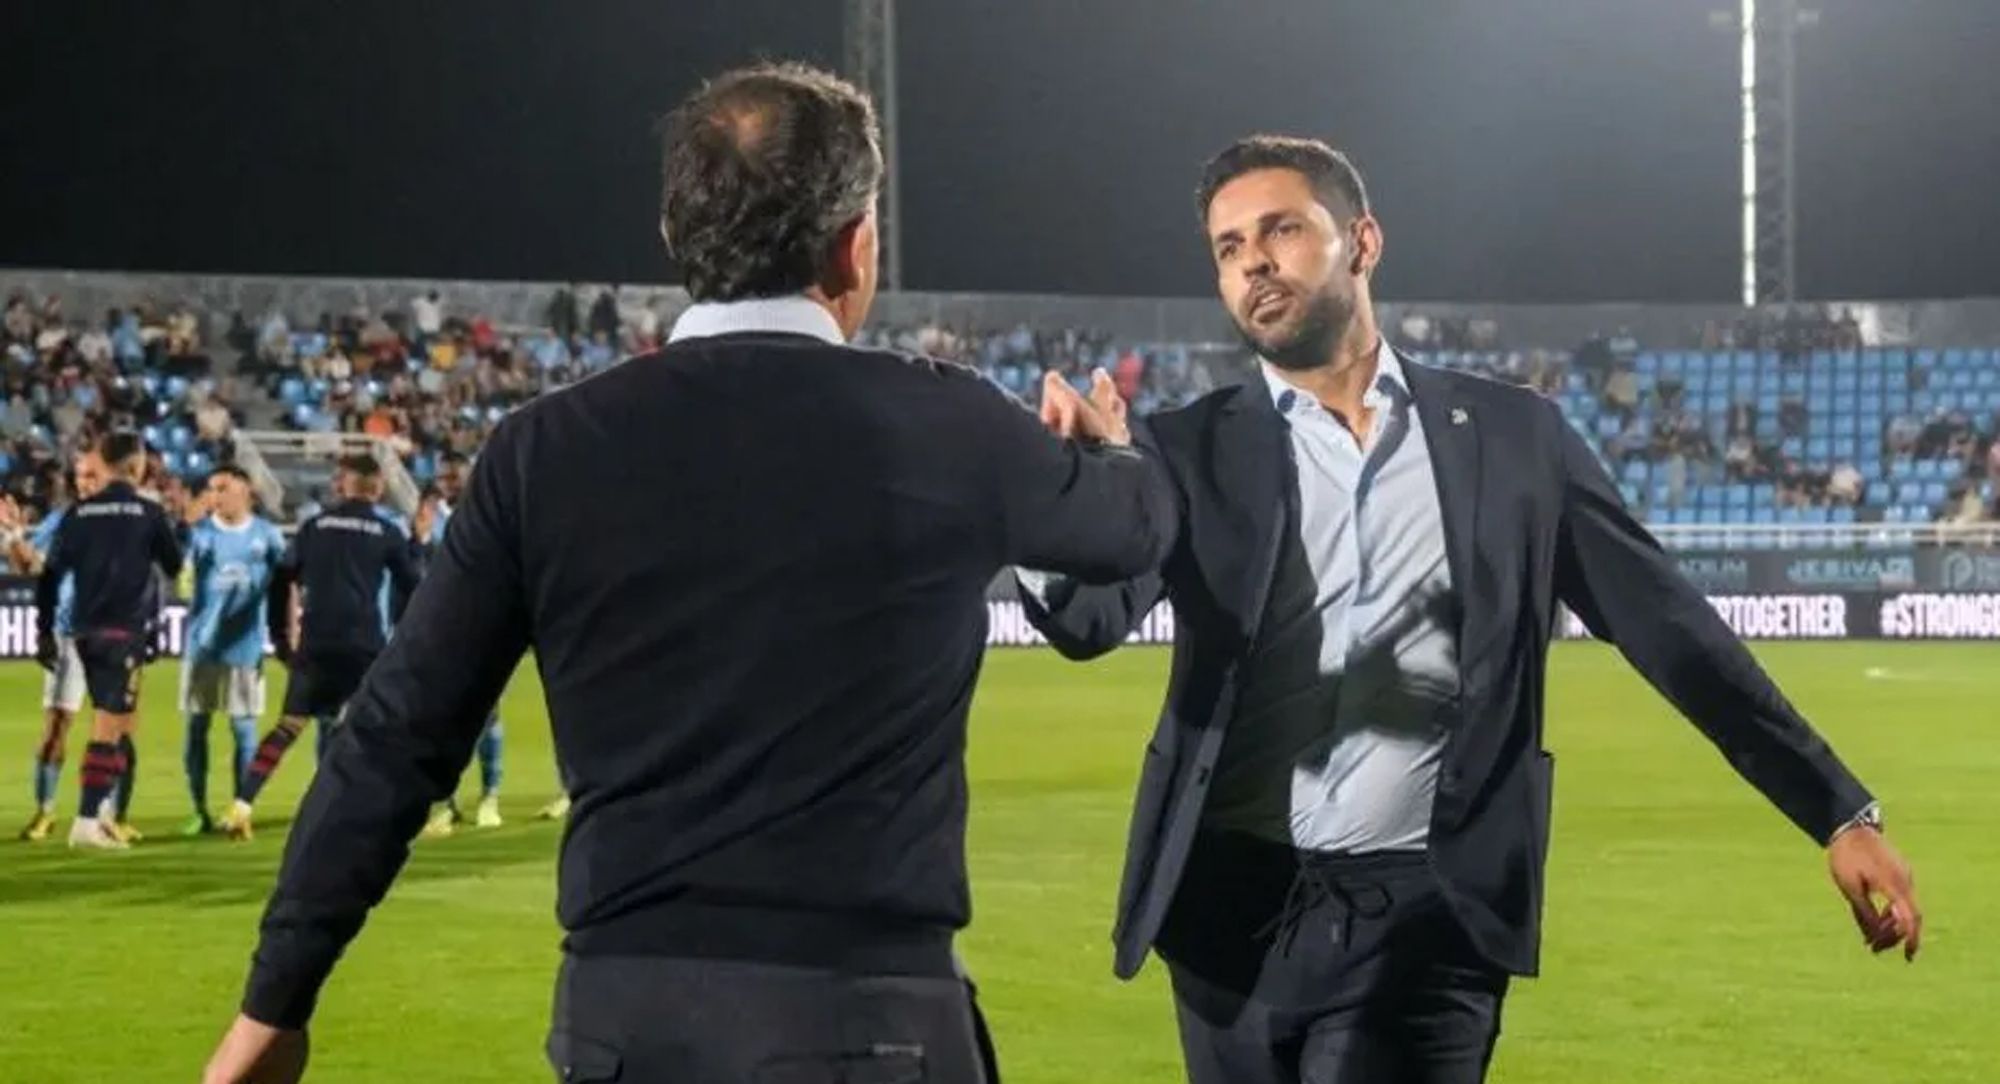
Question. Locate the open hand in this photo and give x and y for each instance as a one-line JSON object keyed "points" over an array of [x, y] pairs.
{"points": [[1866, 867], [1100, 417], [254, 1053]]}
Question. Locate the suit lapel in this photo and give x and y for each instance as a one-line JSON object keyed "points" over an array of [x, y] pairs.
{"points": [[1252, 470], [1451, 433]]}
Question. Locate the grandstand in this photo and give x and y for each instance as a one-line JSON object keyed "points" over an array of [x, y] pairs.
{"points": [[1810, 439]]}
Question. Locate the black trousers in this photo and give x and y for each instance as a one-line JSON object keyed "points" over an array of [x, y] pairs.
{"points": [[668, 1020], [1295, 968]]}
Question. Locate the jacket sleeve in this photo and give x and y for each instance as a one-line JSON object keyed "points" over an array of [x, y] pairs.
{"points": [[166, 543], [409, 732], [1614, 576], [1100, 514], [1083, 620]]}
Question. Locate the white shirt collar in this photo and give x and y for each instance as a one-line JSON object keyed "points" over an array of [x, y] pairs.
{"points": [[1390, 383], [793, 315]]}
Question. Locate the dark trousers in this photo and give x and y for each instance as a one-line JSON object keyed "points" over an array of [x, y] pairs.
{"points": [[645, 1019], [1295, 968]]}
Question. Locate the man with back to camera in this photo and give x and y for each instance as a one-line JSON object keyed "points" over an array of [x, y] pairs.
{"points": [[1338, 839], [117, 544], [758, 674], [346, 572]]}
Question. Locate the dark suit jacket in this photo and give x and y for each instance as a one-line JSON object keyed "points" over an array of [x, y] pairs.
{"points": [[1530, 519]]}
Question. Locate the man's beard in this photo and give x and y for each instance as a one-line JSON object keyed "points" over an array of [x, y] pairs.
{"points": [[1310, 344]]}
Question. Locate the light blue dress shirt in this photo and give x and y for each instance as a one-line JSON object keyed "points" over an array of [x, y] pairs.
{"points": [[1342, 718]]}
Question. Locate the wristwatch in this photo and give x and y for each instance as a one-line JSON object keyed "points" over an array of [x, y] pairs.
{"points": [[1869, 817]]}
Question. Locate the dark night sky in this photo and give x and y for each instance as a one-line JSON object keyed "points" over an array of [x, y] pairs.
{"points": [[1518, 150]]}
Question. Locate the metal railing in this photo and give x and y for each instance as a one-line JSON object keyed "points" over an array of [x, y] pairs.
{"points": [[1766, 536]]}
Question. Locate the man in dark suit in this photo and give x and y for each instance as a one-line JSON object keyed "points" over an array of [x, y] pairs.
{"points": [[1339, 835], [752, 567]]}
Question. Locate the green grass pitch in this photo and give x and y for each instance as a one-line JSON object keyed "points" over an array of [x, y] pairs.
{"points": [[1692, 935]]}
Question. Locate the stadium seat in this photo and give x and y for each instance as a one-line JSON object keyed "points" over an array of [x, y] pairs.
{"points": [[1928, 469], [1903, 468], [1954, 359], [1792, 447], [198, 465], [1819, 449], [292, 391], [1737, 495], [1909, 492], [1764, 495], [1795, 383], [1923, 402], [1646, 362], [1635, 471], [1764, 514], [1842, 514], [1893, 514], [1935, 493]]}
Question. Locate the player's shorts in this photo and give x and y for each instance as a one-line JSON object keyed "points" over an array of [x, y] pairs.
{"points": [[209, 687], [63, 686], [112, 662], [323, 682]]}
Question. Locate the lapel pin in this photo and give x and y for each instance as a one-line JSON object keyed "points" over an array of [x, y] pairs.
{"points": [[1458, 415]]}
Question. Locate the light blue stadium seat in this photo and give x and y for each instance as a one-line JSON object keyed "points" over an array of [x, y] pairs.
{"points": [[1790, 516], [1696, 382], [291, 391], [175, 460], [1902, 468], [1954, 359], [180, 437], [1987, 376], [6, 463], [303, 415], [176, 388], [1842, 514], [1820, 359], [1660, 493], [198, 464], [1935, 493], [1646, 362], [1793, 447], [1607, 426], [1892, 514], [1795, 383], [154, 436], [1634, 471], [1923, 402], [1764, 494], [1847, 447], [1924, 359], [1713, 517], [1764, 514], [1909, 492], [1871, 405], [1872, 360]]}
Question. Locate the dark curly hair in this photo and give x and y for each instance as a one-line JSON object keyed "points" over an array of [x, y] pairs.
{"points": [[762, 168], [1335, 181]]}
